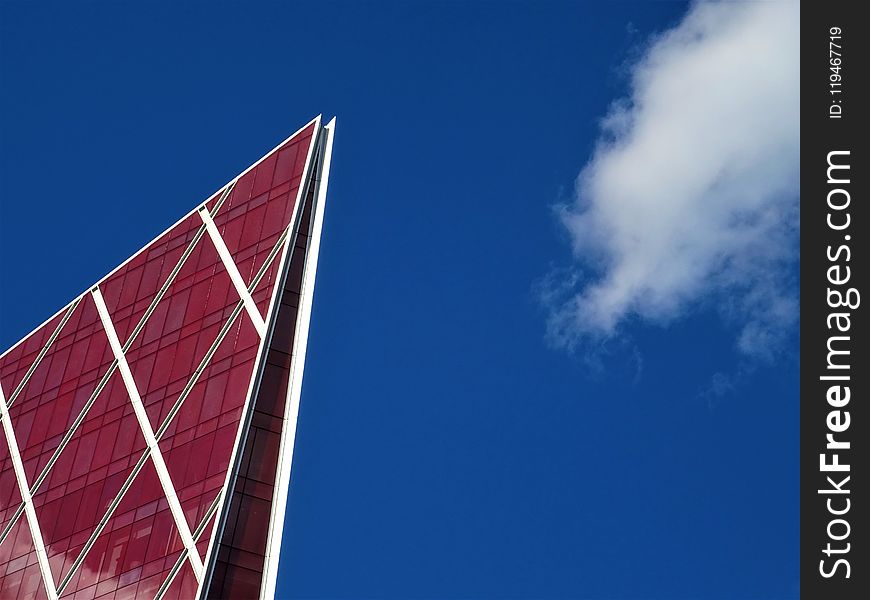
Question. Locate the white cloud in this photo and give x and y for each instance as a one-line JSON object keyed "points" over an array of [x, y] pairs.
{"points": [[691, 196]]}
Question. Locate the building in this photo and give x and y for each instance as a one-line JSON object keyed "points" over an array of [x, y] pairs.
{"points": [[148, 426]]}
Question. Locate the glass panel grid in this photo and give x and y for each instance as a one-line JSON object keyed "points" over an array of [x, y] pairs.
{"points": [[80, 441]]}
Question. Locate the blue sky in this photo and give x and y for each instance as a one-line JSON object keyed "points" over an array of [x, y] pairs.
{"points": [[449, 446]]}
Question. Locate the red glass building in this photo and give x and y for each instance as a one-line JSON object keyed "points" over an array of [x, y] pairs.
{"points": [[148, 426]]}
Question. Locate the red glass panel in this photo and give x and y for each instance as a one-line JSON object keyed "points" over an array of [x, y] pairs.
{"points": [[130, 290], [261, 204], [213, 200], [17, 360], [139, 542], [262, 294], [19, 570], [198, 444], [181, 330], [10, 498], [183, 586], [204, 540], [89, 473], [60, 387]]}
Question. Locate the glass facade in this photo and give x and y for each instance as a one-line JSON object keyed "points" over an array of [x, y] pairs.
{"points": [[143, 425]]}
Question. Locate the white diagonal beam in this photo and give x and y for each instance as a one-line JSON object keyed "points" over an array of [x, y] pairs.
{"points": [[233, 270], [148, 433], [35, 532]]}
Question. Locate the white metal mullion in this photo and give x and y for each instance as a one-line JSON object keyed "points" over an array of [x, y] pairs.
{"points": [[70, 309], [297, 365], [197, 533], [233, 270], [32, 522], [225, 503], [148, 433]]}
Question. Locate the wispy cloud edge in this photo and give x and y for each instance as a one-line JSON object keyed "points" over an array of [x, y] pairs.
{"points": [[691, 196]]}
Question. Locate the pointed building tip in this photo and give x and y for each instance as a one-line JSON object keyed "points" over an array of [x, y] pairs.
{"points": [[331, 123], [316, 122]]}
